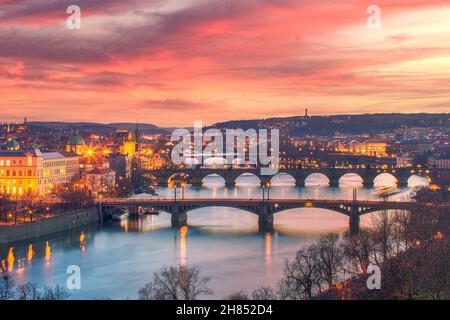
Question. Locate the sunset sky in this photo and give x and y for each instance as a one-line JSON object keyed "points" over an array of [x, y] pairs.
{"points": [[171, 62]]}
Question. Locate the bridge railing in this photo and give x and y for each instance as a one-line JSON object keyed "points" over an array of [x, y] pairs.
{"points": [[106, 201]]}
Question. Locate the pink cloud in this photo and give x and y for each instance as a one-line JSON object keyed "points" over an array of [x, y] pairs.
{"points": [[216, 59]]}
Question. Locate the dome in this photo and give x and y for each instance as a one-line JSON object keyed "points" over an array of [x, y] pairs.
{"points": [[12, 144], [76, 140]]}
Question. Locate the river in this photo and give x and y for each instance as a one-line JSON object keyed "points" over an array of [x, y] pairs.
{"points": [[116, 259]]}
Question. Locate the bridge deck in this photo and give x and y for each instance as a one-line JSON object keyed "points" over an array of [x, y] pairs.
{"points": [[159, 201]]}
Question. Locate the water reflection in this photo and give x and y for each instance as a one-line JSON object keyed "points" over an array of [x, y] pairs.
{"points": [[283, 180], [10, 259], [30, 252], [183, 233], [317, 179], [48, 251], [248, 179], [268, 248], [82, 241]]}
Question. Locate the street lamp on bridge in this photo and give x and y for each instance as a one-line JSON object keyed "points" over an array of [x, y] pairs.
{"points": [[267, 186], [175, 186]]}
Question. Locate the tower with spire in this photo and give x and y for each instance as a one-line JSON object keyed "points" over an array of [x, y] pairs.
{"points": [[137, 134]]}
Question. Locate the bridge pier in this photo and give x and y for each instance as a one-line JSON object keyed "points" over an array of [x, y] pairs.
{"points": [[179, 218], [229, 182], [300, 182], [354, 221], [402, 182], [196, 181], [163, 183], [265, 223], [196, 184], [265, 180], [134, 210], [367, 183], [265, 219], [334, 182]]}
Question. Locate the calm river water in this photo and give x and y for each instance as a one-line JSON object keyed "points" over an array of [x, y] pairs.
{"points": [[117, 259]]}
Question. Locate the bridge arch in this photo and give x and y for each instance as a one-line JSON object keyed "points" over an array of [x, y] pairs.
{"points": [[351, 179], [181, 176], [416, 180], [242, 209], [213, 179], [151, 177], [283, 179], [247, 179], [226, 219], [385, 180], [317, 179], [306, 220]]}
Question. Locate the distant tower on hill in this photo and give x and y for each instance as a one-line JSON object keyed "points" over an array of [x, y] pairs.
{"points": [[27, 135]]}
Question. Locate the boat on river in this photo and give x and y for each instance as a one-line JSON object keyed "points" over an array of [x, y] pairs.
{"points": [[120, 214]]}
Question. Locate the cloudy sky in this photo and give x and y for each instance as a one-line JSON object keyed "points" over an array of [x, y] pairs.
{"points": [[171, 62]]}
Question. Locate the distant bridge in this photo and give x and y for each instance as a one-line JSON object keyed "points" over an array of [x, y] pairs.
{"points": [[196, 175], [265, 209]]}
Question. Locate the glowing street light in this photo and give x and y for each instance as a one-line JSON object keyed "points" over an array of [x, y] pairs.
{"points": [[266, 185]]}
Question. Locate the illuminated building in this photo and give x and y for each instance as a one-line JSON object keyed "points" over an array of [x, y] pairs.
{"points": [[93, 160], [31, 171], [154, 161], [76, 145], [128, 141], [404, 160], [20, 171], [442, 162], [57, 169], [366, 148], [374, 149], [100, 180], [12, 144]]}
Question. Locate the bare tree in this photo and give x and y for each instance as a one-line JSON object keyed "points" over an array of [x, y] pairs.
{"points": [[238, 295], [330, 258], [264, 293], [74, 195], [357, 250], [181, 283], [28, 291], [55, 293], [302, 276], [7, 287], [381, 231]]}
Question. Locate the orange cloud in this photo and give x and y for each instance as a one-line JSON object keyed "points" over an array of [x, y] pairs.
{"points": [[172, 62]]}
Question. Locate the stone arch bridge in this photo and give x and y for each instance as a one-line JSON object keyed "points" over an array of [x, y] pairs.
{"points": [[196, 175]]}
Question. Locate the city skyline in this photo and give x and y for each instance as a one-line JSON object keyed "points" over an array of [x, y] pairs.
{"points": [[169, 64]]}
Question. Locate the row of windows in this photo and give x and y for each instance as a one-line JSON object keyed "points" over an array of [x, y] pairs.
{"points": [[54, 163], [8, 162], [18, 173], [53, 172], [13, 190], [55, 180], [13, 182]]}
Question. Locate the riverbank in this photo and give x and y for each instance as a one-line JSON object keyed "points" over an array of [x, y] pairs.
{"points": [[67, 221]]}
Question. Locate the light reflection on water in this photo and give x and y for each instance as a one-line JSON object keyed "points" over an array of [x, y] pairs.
{"points": [[116, 259]]}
